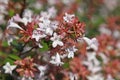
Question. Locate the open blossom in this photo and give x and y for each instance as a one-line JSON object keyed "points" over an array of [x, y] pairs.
{"points": [[71, 52], [91, 56], [92, 63], [56, 60], [52, 12], [95, 77], [56, 40], [91, 67], [45, 25], [25, 78], [42, 70], [37, 34], [23, 20], [92, 43], [9, 68], [12, 24], [109, 77], [73, 76], [68, 17]]}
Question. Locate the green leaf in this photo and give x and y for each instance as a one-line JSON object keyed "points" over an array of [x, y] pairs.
{"points": [[9, 60], [66, 65], [99, 20], [11, 12], [5, 44], [17, 46], [13, 56], [45, 46], [2, 54]]}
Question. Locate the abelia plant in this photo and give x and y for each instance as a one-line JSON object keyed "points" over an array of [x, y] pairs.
{"points": [[59, 40]]}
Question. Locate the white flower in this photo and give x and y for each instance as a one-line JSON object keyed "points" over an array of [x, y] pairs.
{"points": [[42, 70], [68, 2], [38, 35], [116, 34], [9, 68], [73, 76], [63, 56], [25, 78], [3, 9], [56, 40], [68, 17], [56, 60], [37, 5], [2, 19], [23, 20], [104, 30], [111, 4], [91, 67], [52, 12], [28, 14], [95, 77], [91, 56], [26, 20], [4, 1], [45, 20], [13, 25], [54, 25], [45, 25], [71, 52], [92, 43], [49, 31], [109, 77], [52, 2], [92, 63], [10, 38]]}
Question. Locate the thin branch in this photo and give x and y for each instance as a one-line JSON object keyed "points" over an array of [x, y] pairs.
{"points": [[23, 8], [24, 54]]}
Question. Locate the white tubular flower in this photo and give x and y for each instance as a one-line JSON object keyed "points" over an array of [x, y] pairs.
{"points": [[109, 77], [52, 12], [49, 31], [13, 25], [68, 17], [23, 20], [45, 25], [95, 77], [104, 30], [24, 78], [28, 14], [4, 1], [92, 43], [71, 52], [9, 68], [54, 25], [56, 60], [91, 56], [91, 67], [92, 63], [73, 76], [56, 40], [37, 35], [42, 70]]}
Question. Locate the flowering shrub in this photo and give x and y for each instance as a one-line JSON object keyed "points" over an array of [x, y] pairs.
{"points": [[59, 40]]}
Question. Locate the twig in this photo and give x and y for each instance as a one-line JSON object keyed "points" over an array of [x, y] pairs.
{"points": [[24, 54], [23, 8]]}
